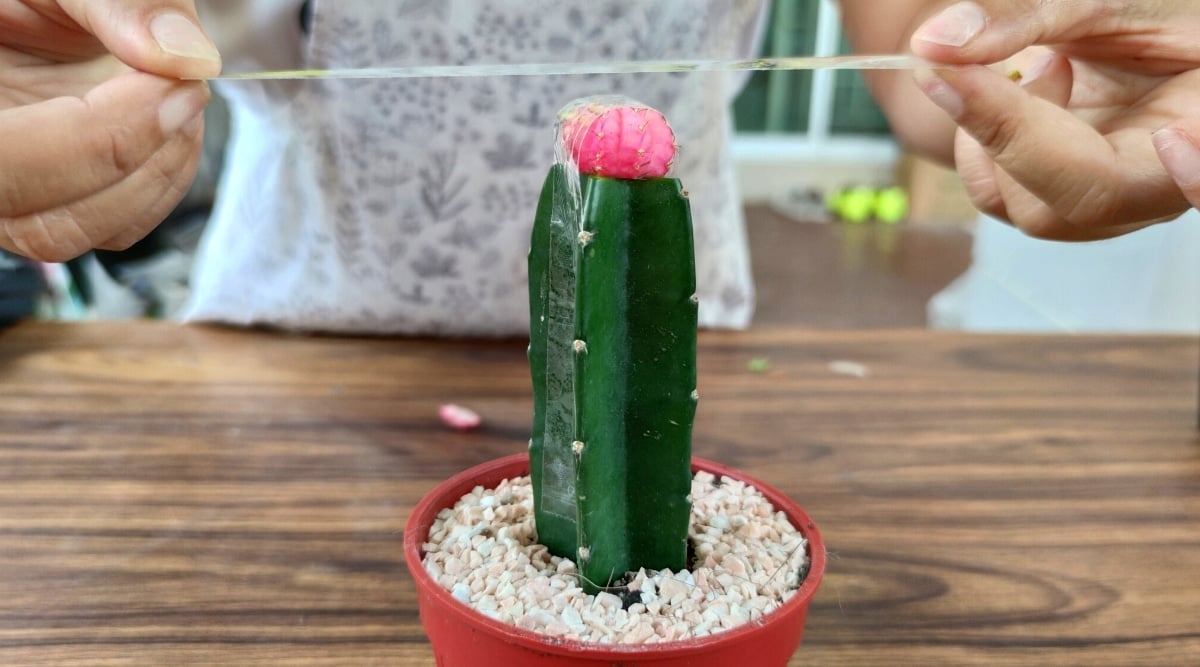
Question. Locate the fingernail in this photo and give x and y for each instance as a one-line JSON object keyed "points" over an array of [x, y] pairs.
{"points": [[180, 107], [955, 26], [1180, 155], [180, 36], [936, 88]]}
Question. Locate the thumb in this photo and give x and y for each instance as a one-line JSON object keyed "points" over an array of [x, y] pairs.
{"points": [[1178, 147], [162, 37], [991, 30]]}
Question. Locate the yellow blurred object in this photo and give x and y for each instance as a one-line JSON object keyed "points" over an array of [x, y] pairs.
{"points": [[891, 205], [854, 204]]}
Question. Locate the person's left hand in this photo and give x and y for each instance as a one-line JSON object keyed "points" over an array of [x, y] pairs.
{"points": [[99, 137], [1067, 153]]}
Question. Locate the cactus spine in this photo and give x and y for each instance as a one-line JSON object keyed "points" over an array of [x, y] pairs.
{"points": [[613, 361]]}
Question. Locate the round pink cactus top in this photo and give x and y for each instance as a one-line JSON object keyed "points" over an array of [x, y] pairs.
{"points": [[617, 137]]}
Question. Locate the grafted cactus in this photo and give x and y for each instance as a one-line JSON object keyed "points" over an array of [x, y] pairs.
{"points": [[612, 298]]}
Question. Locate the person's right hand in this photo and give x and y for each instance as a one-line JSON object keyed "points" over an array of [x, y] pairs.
{"points": [[99, 137], [1067, 155]]}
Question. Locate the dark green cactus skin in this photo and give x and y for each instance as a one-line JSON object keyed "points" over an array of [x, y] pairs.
{"points": [[613, 361]]}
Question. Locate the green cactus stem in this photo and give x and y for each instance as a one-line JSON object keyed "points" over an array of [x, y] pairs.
{"points": [[613, 360]]}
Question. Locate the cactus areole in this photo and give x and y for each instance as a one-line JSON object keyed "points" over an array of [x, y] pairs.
{"points": [[612, 286]]}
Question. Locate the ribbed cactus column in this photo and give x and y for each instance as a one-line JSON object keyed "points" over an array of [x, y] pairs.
{"points": [[613, 346]]}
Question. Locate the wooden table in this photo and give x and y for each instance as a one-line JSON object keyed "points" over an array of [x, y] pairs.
{"points": [[180, 495]]}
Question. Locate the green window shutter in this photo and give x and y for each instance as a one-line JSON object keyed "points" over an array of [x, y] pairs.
{"points": [[777, 102]]}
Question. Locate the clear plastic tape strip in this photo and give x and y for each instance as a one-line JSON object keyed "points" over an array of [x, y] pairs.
{"points": [[851, 62]]}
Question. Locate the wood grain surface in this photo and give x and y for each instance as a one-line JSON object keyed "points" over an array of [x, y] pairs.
{"points": [[180, 495]]}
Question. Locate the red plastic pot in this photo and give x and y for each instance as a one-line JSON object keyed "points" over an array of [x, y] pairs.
{"points": [[462, 637]]}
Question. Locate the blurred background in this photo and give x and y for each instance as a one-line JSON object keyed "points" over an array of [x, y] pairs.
{"points": [[846, 230]]}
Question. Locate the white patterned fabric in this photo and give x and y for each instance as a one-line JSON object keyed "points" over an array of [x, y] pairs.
{"points": [[404, 206]]}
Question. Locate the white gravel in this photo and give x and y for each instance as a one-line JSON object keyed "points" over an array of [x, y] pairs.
{"points": [[750, 557]]}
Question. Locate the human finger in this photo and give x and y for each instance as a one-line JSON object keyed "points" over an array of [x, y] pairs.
{"points": [[1178, 146], [118, 216], [1049, 77], [1079, 179], [162, 37], [987, 31], [66, 148], [119, 130], [153, 191]]}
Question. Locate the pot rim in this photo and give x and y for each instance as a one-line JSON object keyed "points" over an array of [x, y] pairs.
{"points": [[416, 531]]}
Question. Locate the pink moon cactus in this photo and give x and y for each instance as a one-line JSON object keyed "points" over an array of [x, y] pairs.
{"points": [[612, 351], [617, 139]]}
